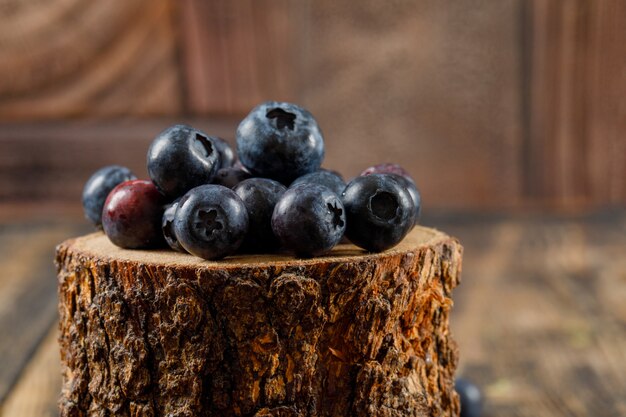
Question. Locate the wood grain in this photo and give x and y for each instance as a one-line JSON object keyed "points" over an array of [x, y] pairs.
{"points": [[36, 393], [27, 295], [576, 118], [238, 54], [63, 58], [156, 333]]}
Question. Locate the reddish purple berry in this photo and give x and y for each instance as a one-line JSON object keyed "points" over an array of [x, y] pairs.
{"points": [[132, 215]]}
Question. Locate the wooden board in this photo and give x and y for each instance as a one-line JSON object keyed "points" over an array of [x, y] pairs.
{"points": [[27, 294]]}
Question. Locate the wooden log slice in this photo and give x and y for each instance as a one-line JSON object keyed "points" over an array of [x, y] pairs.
{"points": [[158, 333]]}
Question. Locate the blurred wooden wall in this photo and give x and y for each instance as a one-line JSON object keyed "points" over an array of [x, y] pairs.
{"points": [[490, 104]]}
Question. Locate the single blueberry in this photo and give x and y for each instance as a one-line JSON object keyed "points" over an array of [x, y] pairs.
{"points": [[132, 215], [281, 141], [211, 221], [309, 219], [260, 196], [324, 177], [405, 179], [379, 211], [167, 225], [227, 155], [230, 177], [181, 158], [98, 187], [471, 398]]}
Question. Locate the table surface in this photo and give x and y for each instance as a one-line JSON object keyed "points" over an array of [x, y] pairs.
{"points": [[540, 315]]}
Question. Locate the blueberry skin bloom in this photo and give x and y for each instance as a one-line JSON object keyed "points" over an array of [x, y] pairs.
{"points": [[132, 215], [181, 158], [281, 141], [309, 220], [211, 221], [260, 196], [379, 211], [471, 398], [98, 187], [323, 177]]}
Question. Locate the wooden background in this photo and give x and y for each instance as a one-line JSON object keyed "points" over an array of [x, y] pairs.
{"points": [[490, 104], [515, 106]]}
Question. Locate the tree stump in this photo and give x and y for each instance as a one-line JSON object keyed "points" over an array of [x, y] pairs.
{"points": [[159, 333]]}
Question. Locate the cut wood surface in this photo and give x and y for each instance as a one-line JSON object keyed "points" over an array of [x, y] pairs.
{"points": [[159, 333]]}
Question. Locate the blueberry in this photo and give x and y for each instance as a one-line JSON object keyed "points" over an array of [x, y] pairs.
{"points": [[167, 226], [227, 155], [280, 141], [98, 188], [132, 215], [404, 178], [379, 211], [260, 196], [471, 398], [309, 219], [230, 177], [324, 177], [211, 221], [181, 158]]}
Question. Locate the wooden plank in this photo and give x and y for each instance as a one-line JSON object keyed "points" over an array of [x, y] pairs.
{"points": [[238, 54], [70, 58], [37, 391], [27, 293], [576, 120], [540, 319]]}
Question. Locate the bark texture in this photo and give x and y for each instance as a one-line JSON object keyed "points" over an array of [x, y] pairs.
{"points": [[145, 333]]}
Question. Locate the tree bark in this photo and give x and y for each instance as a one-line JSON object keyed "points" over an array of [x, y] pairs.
{"points": [[158, 333]]}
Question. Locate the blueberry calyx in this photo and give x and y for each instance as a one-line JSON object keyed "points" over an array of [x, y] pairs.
{"points": [[208, 222], [337, 213], [384, 205], [204, 145], [282, 118]]}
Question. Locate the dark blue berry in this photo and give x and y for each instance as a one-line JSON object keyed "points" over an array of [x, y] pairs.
{"points": [[132, 215], [323, 177], [405, 179], [211, 221], [181, 158], [309, 219], [98, 188], [260, 196], [280, 141], [471, 398], [167, 225], [227, 155], [379, 211], [230, 177]]}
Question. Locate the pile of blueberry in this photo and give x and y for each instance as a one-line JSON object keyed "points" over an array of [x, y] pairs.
{"points": [[204, 201]]}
